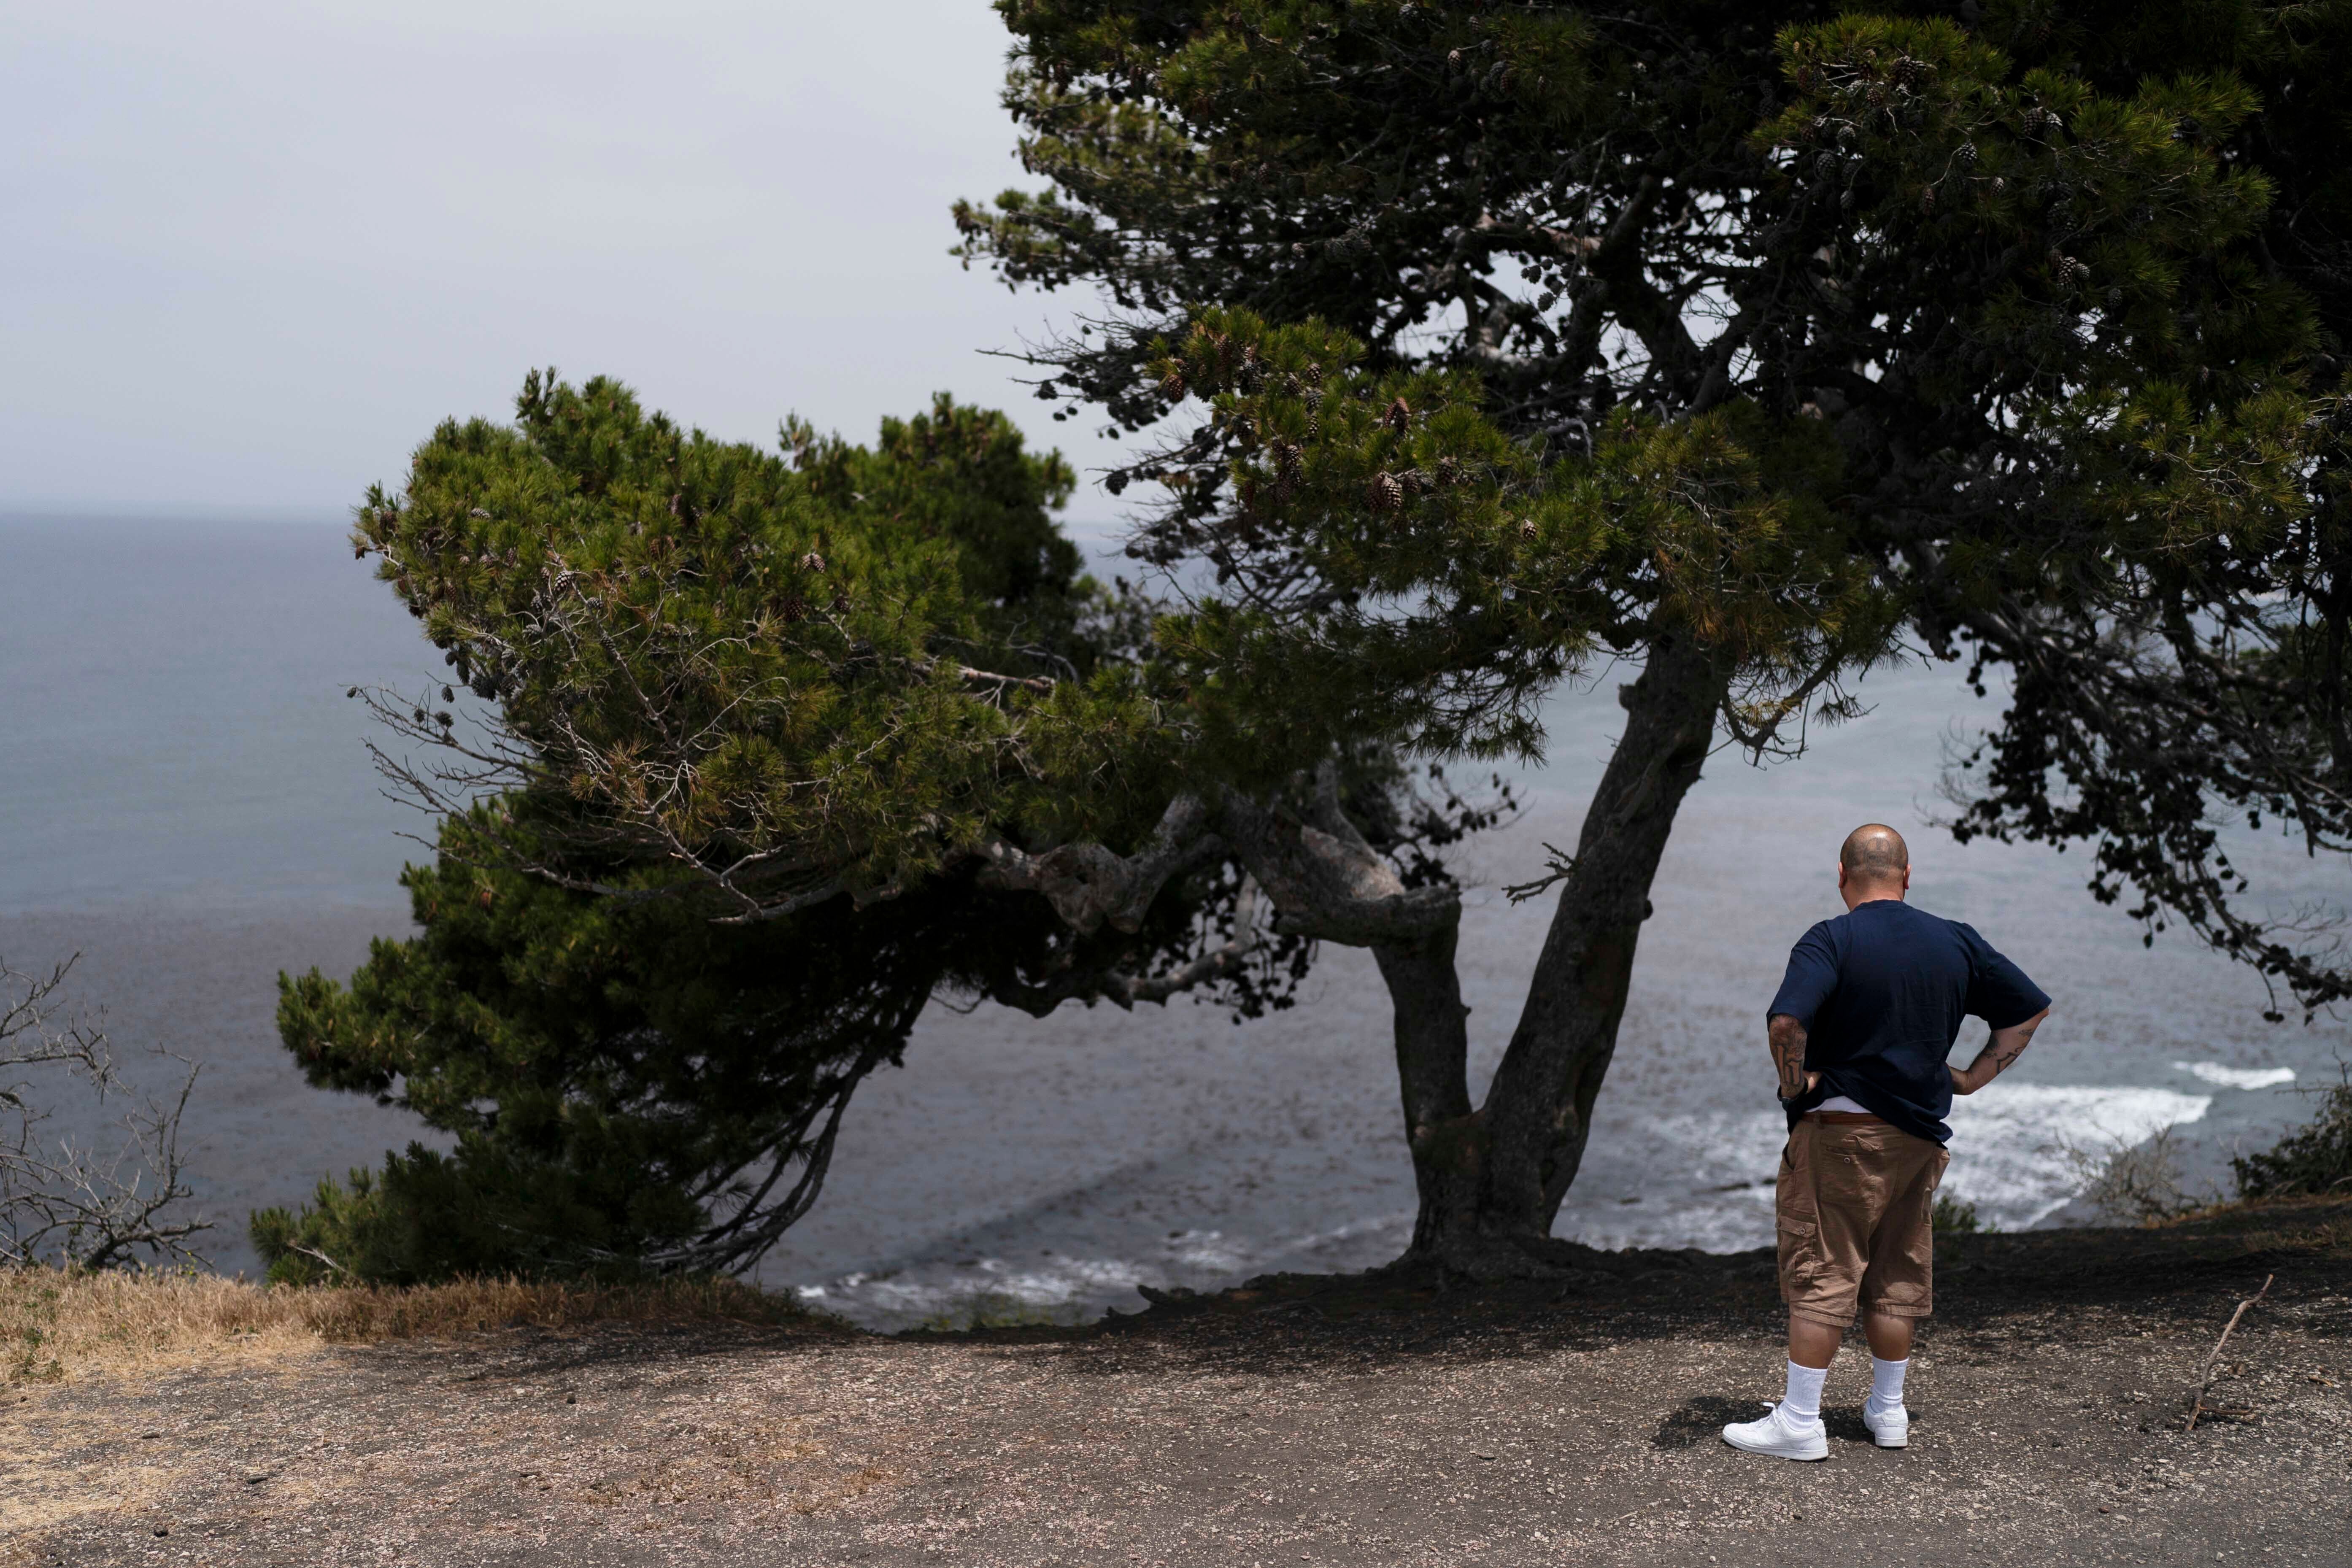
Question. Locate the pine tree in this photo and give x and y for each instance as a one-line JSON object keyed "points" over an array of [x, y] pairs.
{"points": [[765, 740], [1752, 346]]}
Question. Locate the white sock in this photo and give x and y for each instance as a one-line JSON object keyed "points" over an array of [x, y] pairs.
{"points": [[1803, 1400], [1887, 1384]]}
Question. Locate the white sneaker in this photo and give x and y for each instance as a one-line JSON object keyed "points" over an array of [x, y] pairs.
{"points": [[1890, 1428], [1780, 1435]]}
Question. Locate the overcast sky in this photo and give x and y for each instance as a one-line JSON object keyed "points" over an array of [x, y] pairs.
{"points": [[256, 249]]}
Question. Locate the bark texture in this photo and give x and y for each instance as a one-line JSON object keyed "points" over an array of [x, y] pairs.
{"points": [[1432, 1047], [1491, 1179]]}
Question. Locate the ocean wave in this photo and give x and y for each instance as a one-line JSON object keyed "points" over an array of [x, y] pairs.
{"points": [[1705, 1181], [956, 1292], [2236, 1078], [2011, 1143]]}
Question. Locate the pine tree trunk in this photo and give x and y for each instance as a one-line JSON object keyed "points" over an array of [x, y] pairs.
{"points": [[1433, 1045], [1491, 1180]]}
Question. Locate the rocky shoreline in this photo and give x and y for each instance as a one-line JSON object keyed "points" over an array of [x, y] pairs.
{"points": [[1380, 1418]]}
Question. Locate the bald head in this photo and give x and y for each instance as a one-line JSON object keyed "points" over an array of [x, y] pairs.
{"points": [[1873, 855]]}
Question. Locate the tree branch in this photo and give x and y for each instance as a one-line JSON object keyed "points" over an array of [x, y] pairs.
{"points": [[1124, 990], [1326, 882], [1089, 884]]}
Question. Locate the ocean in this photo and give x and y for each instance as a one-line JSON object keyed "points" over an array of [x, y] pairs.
{"points": [[185, 801]]}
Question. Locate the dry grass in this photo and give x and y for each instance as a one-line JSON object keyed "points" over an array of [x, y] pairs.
{"points": [[56, 1325]]}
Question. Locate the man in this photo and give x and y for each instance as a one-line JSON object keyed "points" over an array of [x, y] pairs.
{"points": [[1868, 1012]]}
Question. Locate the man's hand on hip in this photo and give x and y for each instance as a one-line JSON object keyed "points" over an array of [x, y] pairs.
{"points": [[1788, 1040], [1999, 1052]]}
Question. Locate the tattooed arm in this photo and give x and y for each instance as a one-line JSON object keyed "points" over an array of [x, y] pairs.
{"points": [[1787, 1040], [1999, 1052]]}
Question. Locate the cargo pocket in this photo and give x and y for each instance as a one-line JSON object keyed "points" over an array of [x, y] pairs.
{"points": [[1799, 1256]]}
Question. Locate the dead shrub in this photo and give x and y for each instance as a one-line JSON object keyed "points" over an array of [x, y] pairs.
{"points": [[2135, 1183]]}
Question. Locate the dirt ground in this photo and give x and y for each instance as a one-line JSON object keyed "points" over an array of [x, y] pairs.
{"points": [[1338, 1421]]}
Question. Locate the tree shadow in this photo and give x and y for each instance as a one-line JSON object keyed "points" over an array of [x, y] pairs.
{"points": [[2022, 1287]]}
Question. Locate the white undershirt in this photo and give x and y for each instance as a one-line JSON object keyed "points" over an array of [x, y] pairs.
{"points": [[1840, 1103]]}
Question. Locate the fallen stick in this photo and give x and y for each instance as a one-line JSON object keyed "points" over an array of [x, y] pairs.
{"points": [[2213, 1361]]}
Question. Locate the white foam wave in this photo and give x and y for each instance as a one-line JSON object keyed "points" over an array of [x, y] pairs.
{"points": [[2009, 1142], [2237, 1078], [948, 1294], [1706, 1184], [1058, 1288]]}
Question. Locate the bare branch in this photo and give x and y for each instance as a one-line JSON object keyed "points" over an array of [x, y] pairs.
{"points": [[1559, 866], [2213, 1361], [65, 1203]]}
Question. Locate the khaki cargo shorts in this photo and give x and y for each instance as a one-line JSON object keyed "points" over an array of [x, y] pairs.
{"points": [[1854, 1207]]}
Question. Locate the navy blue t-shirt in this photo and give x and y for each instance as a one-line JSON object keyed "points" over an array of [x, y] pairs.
{"points": [[1880, 991]]}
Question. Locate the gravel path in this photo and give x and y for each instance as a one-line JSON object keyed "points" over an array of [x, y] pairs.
{"points": [[1355, 1421]]}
